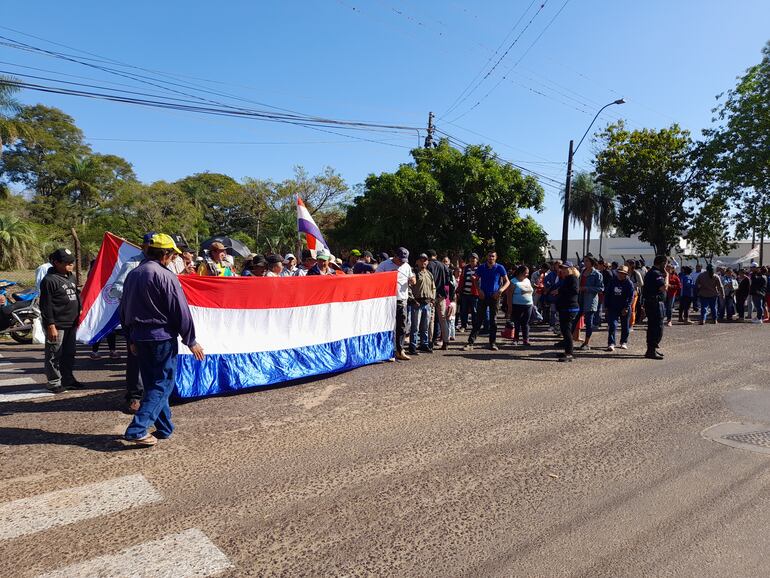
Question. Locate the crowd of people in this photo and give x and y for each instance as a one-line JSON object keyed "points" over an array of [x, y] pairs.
{"points": [[437, 299]]}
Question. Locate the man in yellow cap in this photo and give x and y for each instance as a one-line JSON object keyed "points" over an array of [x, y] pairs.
{"points": [[154, 313]]}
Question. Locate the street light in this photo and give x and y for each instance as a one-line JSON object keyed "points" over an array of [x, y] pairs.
{"points": [[568, 185]]}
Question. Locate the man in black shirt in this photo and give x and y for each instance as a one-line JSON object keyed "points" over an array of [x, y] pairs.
{"points": [[444, 289], [653, 294], [60, 310]]}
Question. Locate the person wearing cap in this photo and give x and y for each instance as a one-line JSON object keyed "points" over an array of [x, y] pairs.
{"points": [[444, 289], [308, 262], [618, 298], [469, 292], [567, 305], [256, 266], [364, 264], [155, 315], [423, 293], [289, 265], [323, 264], [404, 279], [216, 264], [134, 387], [355, 254], [60, 310], [741, 295], [654, 295], [491, 280], [274, 266]]}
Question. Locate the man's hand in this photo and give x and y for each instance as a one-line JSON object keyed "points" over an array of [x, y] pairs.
{"points": [[197, 351], [132, 347], [481, 295], [624, 312], [496, 295], [52, 333], [3, 300]]}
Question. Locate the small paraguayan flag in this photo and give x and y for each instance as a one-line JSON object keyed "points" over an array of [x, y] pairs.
{"points": [[306, 224]]}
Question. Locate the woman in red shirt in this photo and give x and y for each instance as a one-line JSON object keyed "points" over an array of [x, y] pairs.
{"points": [[674, 289]]}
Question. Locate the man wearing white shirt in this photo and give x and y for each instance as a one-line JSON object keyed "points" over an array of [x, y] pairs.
{"points": [[405, 278], [41, 272]]}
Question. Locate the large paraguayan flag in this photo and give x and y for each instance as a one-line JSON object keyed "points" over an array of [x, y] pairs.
{"points": [[306, 224], [101, 313], [261, 331]]}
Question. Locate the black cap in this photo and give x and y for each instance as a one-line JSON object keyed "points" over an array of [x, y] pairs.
{"points": [[368, 254], [306, 254], [383, 257], [63, 256], [273, 260]]}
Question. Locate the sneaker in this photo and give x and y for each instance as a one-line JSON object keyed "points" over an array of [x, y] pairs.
{"points": [[584, 347], [565, 358], [526, 344], [144, 442], [413, 351], [401, 356], [57, 389], [75, 385], [653, 355], [758, 321], [610, 348], [668, 323], [468, 347], [95, 355], [623, 346], [425, 349], [494, 347], [702, 322], [688, 322]]}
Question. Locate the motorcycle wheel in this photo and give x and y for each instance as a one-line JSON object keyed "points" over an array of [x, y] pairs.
{"points": [[24, 336]]}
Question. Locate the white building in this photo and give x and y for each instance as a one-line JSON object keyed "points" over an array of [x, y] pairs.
{"points": [[618, 248]]}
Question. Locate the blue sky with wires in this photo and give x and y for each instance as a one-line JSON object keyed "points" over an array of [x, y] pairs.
{"points": [[252, 89]]}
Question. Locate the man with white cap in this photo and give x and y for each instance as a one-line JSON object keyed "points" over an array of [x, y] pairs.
{"points": [[405, 278], [289, 265]]}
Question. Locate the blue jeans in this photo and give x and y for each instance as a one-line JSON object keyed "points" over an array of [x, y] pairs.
{"points": [[588, 318], [613, 316], [759, 305], [469, 304], [157, 364], [669, 306], [420, 317], [709, 303]]}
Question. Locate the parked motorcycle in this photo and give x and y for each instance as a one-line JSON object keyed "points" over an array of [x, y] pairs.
{"points": [[18, 313]]}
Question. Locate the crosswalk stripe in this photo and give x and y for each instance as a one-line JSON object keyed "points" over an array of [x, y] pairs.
{"points": [[4, 363], [188, 554], [22, 395], [62, 507], [16, 381], [10, 369]]}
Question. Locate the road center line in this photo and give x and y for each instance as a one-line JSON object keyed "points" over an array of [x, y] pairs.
{"points": [[188, 554], [16, 381], [62, 507]]}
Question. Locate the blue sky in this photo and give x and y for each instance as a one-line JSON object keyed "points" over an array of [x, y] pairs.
{"points": [[392, 61]]}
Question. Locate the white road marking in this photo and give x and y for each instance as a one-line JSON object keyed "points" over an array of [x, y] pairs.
{"points": [[188, 554], [16, 381], [22, 395], [10, 369], [62, 507], [3, 363]]}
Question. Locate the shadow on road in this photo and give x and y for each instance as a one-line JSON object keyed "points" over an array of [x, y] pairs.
{"points": [[16, 436]]}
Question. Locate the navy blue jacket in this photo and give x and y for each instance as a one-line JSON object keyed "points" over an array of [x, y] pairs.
{"points": [[619, 294]]}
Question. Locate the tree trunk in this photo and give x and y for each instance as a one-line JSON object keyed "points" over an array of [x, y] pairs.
{"points": [[588, 241], [601, 241]]}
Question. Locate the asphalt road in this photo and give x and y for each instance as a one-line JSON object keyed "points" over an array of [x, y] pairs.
{"points": [[455, 464]]}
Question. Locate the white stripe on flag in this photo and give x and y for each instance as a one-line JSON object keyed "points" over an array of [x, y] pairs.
{"points": [[255, 330], [62, 507], [188, 554]]}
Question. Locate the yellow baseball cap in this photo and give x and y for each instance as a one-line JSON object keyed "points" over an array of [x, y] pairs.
{"points": [[163, 241]]}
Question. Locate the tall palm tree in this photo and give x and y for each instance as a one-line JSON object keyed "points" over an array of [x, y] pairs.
{"points": [[607, 216], [11, 129], [81, 185], [583, 205], [18, 245]]}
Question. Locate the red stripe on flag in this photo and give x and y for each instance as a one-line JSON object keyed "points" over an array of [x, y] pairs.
{"points": [[281, 292], [101, 271]]}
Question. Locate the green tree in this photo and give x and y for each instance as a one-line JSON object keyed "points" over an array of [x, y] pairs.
{"points": [[607, 212], [18, 245], [709, 233], [11, 128], [583, 205], [446, 199], [650, 173], [737, 148]]}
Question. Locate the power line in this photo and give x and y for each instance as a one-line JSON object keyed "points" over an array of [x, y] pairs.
{"points": [[497, 63]]}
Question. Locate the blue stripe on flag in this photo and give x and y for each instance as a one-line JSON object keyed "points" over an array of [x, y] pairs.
{"points": [[108, 327], [222, 373]]}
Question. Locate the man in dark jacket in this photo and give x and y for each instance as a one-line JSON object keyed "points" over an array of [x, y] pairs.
{"points": [[653, 294], [444, 289], [618, 297], [60, 310], [757, 290], [155, 313]]}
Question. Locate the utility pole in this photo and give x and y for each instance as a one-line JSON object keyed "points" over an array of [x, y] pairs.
{"points": [[567, 192], [429, 138]]}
